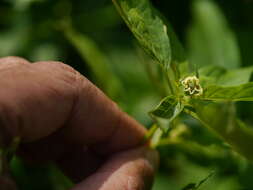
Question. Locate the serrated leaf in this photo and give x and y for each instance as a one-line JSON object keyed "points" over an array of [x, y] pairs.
{"points": [[151, 31], [167, 110], [242, 92], [210, 39]]}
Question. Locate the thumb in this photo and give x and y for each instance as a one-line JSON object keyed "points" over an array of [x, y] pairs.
{"points": [[128, 170]]}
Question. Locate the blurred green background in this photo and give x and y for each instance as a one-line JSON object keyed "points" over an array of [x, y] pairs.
{"points": [[90, 36]]}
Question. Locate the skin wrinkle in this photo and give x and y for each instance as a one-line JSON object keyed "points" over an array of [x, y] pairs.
{"points": [[74, 103], [75, 77], [74, 83], [68, 76], [99, 147], [121, 129], [86, 88], [51, 93]]}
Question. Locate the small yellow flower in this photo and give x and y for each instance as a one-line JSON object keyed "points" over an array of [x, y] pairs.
{"points": [[192, 86]]}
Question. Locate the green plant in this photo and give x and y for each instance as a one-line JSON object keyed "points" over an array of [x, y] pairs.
{"points": [[201, 94]]}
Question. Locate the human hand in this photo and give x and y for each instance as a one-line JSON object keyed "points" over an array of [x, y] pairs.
{"points": [[62, 117]]}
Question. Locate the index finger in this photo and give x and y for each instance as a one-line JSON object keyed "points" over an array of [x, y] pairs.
{"points": [[46, 98]]}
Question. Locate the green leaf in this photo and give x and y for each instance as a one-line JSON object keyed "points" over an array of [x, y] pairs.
{"points": [[210, 74], [221, 118], [212, 71], [235, 77], [168, 109], [97, 62], [219, 76], [151, 31], [210, 39], [242, 92]]}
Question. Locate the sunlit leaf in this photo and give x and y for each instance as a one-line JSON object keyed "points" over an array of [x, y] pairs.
{"points": [[148, 28], [166, 112], [151, 30]]}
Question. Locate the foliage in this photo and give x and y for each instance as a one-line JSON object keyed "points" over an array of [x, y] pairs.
{"points": [[211, 101], [174, 104]]}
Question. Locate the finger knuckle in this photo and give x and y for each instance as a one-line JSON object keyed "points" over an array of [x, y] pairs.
{"points": [[12, 61]]}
